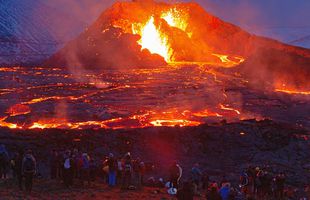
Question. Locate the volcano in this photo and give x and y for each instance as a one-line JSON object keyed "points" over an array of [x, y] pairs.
{"points": [[147, 33], [146, 63]]}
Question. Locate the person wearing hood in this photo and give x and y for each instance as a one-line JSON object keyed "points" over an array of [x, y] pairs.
{"points": [[29, 169], [4, 157]]}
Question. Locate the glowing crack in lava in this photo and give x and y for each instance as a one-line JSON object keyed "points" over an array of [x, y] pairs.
{"points": [[293, 92]]}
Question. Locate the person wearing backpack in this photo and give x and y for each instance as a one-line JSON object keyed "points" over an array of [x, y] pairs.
{"points": [[29, 168]]}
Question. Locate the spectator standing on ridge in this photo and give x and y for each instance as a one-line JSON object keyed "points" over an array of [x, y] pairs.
{"points": [[196, 177], [112, 163], [212, 193], [29, 167], [18, 169], [85, 168], [67, 169], [141, 174], [4, 158], [175, 174], [280, 182], [119, 173], [53, 164], [186, 192], [205, 181], [127, 174]]}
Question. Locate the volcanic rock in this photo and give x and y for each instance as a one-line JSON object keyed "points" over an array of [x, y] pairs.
{"points": [[220, 149]]}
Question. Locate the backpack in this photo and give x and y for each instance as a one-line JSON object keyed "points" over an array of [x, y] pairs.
{"points": [[29, 165]]}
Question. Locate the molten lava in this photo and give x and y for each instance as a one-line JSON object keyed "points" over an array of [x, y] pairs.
{"points": [[293, 91], [153, 40]]}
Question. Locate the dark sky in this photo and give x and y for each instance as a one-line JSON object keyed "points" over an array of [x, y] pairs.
{"points": [[284, 13], [251, 15]]}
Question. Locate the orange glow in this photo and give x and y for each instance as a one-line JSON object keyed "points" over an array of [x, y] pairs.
{"points": [[230, 61], [229, 109], [174, 122], [177, 19], [293, 91], [206, 113], [18, 109], [3, 123], [153, 40]]}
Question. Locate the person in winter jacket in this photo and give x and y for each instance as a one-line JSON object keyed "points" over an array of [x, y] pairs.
{"points": [[29, 168], [112, 163]]}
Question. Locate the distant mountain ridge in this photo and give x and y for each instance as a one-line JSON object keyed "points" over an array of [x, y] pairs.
{"points": [[31, 31]]}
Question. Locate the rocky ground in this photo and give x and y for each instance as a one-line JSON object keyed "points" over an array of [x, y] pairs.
{"points": [[221, 149], [51, 190]]}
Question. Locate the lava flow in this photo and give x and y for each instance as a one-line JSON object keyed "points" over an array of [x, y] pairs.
{"points": [[145, 64]]}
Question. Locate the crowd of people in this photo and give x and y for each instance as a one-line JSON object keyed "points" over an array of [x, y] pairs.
{"points": [[23, 166], [75, 167]]}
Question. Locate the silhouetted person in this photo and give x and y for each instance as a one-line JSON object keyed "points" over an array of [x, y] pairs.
{"points": [[280, 182], [67, 169], [4, 158], [127, 171], [112, 163], [86, 168], [213, 193], [186, 192], [29, 168], [53, 164], [18, 169], [175, 174], [196, 175]]}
